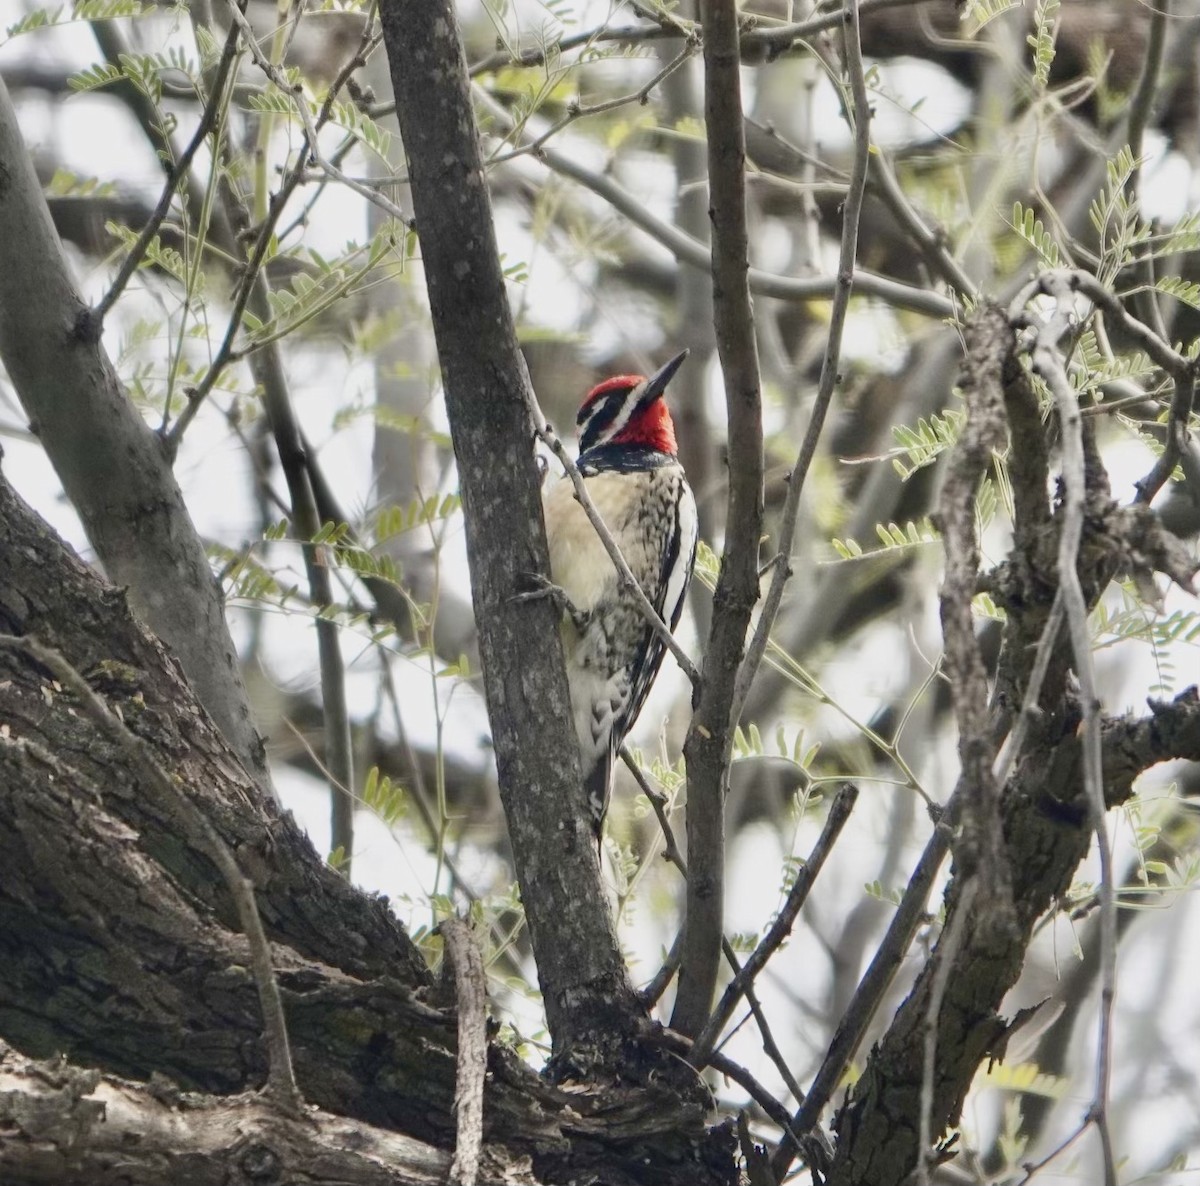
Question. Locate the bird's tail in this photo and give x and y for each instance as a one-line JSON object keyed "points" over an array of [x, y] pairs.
{"points": [[598, 784]]}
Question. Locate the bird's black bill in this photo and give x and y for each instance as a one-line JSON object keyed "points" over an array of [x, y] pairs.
{"points": [[657, 383]]}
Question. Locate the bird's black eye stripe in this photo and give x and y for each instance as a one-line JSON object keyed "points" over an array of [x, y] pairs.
{"points": [[595, 419]]}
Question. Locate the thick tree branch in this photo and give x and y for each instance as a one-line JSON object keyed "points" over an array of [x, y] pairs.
{"points": [[119, 938], [1047, 826], [590, 1003], [281, 1079], [111, 465], [709, 739], [64, 1126], [978, 848]]}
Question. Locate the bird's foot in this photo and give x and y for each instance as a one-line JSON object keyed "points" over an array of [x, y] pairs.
{"points": [[543, 587]]}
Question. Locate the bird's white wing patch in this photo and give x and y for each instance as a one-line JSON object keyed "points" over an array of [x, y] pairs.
{"points": [[677, 579]]}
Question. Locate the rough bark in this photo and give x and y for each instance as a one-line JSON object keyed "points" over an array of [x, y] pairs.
{"points": [[64, 1126], [590, 1004], [709, 741], [118, 947], [112, 466], [1045, 824]]}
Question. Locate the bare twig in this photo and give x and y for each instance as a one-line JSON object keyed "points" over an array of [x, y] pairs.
{"points": [[829, 363], [94, 318], [872, 987], [947, 950], [466, 964], [1032, 1168], [658, 803], [777, 933], [281, 1079], [697, 255], [1048, 364]]}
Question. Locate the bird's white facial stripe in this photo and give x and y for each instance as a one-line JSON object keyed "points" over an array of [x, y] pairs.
{"points": [[627, 405], [627, 410]]}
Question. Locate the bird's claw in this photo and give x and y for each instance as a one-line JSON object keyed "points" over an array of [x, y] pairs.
{"points": [[544, 587], [540, 586]]}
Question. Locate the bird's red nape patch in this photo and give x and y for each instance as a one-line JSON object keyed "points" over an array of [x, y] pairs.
{"points": [[651, 427]]}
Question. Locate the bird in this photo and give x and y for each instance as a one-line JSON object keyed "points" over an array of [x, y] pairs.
{"points": [[629, 462]]}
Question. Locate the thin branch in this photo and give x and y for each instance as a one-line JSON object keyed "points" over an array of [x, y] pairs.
{"points": [[827, 383], [93, 319], [873, 986], [1141, 106], [651, 993], [781, 927], [312, 143], [1048, 364], [281, 1079], [1035, 1167], [1140, 109], [466, 964], [945, 954], [698, 255], [629, 582], [1178, 438], [782, 38], [252, 290], [536, 56], [577, 111], [930, 241], [658, 803]]}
